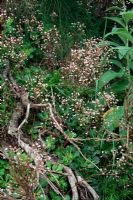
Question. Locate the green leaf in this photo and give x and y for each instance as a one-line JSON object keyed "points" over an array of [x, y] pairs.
{"points": [[8, 25], [108, 76], [118, 20], [113, 117], [122, 33], [130, 66], [2, 172], [96, 160], [127, 16], [123, 134], [114, 8], [120, 85], [50, 143], [9, 21], [122, 51], [116, 63], [108, 43], [28, 51], [67, 197]]}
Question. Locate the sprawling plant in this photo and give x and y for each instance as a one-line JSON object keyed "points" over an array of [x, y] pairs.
{"points": [[66, 104]]}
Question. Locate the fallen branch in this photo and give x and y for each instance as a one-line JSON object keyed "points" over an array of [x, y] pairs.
{"points": [[59, 128], [72, 181], [26, 117], [90, 192], [25, 101], [15, 129], [81, 190]]}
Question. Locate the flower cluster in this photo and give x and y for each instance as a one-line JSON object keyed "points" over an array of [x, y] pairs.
{"points": [[77, 29], [86, 63], [87, 113], [48, 41], [50, 45], [13, 43], [3, 16], [9, 48]]}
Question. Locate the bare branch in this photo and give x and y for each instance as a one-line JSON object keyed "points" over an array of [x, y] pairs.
{"points": [[14, 129], [72, 180], [26, 117], [59, 128], [83, 183]]}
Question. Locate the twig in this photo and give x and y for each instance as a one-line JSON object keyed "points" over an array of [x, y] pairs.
{"points": [[57, 125], [33, 153], [25, 101], [53, 98], [97, 139], [26, 117], [72, 180], [55, 172], [128, 130], [15, 129]]}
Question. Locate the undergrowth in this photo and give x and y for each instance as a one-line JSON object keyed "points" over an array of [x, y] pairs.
{"points": [[60, 58]]}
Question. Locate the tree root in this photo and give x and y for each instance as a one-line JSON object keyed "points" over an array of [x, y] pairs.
{"points": [[81, 190], [72, 181]]}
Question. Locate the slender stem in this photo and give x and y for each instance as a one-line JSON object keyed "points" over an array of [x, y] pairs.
{"points": [[105, 27]]}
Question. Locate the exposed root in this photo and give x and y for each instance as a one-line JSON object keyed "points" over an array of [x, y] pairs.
{"points": [[81, 190], [59, 128], [86, 191], [14, 128], [77, 184], [72, 181]]}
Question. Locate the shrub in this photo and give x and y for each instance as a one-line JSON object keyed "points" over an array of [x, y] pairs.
{"points": [[86, 63]]}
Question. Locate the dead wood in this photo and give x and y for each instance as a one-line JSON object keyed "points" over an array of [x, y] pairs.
{"points": [[14, 128], [86, 191], [72, 181], [81, 190]]}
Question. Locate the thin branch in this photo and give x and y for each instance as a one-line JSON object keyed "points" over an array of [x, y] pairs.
{"points": [[82, 182], [57, 125], [55, 172], [128, 130], [26, 117], [15, 129], [97, 139], [72, 180]]}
